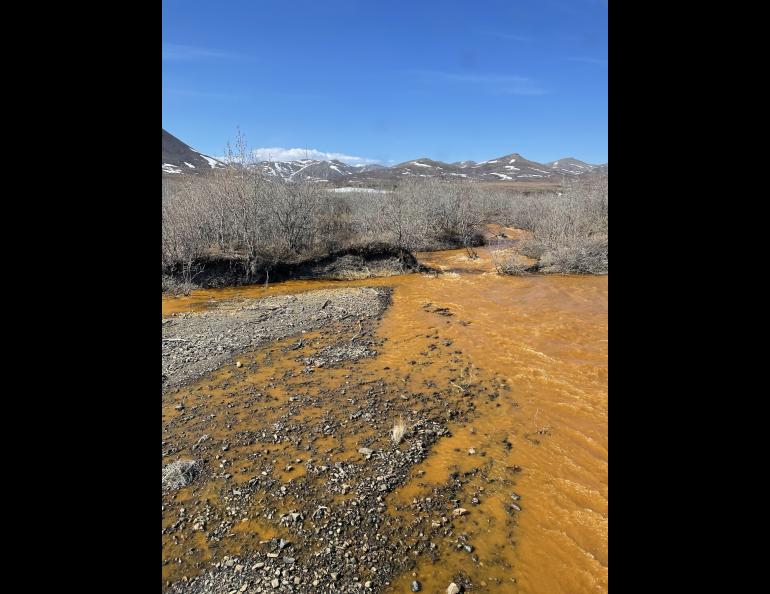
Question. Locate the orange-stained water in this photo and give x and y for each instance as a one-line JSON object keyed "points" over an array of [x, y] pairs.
{"points": [[547, 337]]}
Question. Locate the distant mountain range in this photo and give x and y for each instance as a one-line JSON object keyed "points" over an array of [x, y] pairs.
{"points": [[180, 159]]}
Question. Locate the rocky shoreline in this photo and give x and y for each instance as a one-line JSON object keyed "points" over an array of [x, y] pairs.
{"points": [[290, 474]]}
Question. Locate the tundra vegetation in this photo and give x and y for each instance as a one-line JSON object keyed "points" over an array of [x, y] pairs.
{"points": [[257, 224]]}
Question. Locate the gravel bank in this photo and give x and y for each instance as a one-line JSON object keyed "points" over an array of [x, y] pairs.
{"points": [[196, 343]]}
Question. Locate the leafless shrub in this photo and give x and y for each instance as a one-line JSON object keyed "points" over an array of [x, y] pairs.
{"points": [[174, 286], [570, 227], [236, 213]]}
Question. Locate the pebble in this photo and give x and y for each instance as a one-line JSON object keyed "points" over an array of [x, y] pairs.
{"points": [[416, 586], [460, 511], [275, 583], [453, 589], [238, 364]]}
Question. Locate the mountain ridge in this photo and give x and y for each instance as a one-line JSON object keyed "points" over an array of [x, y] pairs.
{"points": [[180, 159]]}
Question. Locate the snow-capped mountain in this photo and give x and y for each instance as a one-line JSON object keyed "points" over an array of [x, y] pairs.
{"points": [[308, 170], [180, 158], [570, 166], [508, 168]]}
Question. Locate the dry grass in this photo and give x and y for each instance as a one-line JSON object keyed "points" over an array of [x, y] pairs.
{"points": [[180, 474], [511, 262], [398, 431]]}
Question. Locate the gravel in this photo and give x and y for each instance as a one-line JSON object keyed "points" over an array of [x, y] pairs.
{"points": [[197, 343]]}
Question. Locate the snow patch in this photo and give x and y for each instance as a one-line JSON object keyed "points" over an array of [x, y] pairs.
{"points": [[213, 163], [364, 190]]}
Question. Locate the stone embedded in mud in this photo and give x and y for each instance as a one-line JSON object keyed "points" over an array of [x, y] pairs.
{"points": [[460, 511], [416, 586], [453, 589], [365, 451], [238, 364]]}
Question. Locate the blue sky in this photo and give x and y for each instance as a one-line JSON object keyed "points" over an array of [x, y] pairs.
{"points": [[389, 81]]}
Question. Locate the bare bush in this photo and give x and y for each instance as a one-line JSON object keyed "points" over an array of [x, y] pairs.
{"points": [[569, 228], [239, 215]]}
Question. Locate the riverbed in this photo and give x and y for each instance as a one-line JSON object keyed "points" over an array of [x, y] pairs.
{"points": [[545, 339]]}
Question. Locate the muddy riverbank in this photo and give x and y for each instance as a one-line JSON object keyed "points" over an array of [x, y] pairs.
{"points": [[350, 263]]}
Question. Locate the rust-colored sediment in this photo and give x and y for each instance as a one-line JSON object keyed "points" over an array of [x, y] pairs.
{"points": [[546, 337]]}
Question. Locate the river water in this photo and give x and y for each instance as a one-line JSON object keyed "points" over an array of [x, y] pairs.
{"points": [[547, 337]]}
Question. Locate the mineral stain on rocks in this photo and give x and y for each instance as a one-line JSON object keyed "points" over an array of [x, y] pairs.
{"points": [[288, 451]]}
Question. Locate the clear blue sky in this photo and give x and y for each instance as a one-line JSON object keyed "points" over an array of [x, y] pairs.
{"points": [[390, 80]]}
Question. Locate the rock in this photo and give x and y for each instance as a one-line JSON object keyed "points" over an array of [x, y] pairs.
{"points": [[460, 511], [416, 586], [515, 497], [282, 544], [275, 583], [453, 589], [367, 584], [365, 451], [238, 364], [468, 548], [471, 451], [239, 568]]}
